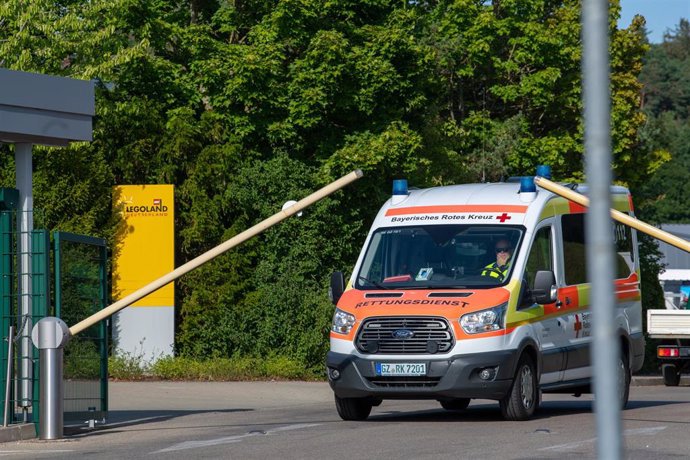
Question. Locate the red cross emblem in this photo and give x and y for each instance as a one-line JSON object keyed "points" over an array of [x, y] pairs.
{"points": [[503, 217], [577, 326]]}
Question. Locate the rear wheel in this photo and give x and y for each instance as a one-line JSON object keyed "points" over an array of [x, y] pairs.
{"points": [[353, 408], [456, 404], [523, 398], [671, 375], [623, 378]]}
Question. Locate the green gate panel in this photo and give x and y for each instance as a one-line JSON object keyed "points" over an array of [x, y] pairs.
{"points": [[81, 289]]}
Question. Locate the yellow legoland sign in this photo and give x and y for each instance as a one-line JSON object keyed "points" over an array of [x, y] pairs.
{"points": [[145, 247]]}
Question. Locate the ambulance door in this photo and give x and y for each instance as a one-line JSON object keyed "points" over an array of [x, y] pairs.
{"points": [[549, 328], [574, 295]]}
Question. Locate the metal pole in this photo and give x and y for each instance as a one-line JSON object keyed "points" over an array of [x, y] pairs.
{"points": [[24, 182], [50, 335], [218, 250], [22, 156], [51, 415], [8, 375], [598, 234]]}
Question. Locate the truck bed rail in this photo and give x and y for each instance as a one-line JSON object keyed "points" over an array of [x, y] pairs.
{"points": [[668, 324]]}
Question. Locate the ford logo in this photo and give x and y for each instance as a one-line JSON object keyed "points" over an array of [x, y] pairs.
{"points": [[403, 334]]}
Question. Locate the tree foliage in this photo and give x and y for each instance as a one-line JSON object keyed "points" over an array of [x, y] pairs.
{"points": [[246, 104], [666, 79], [662, 198]]}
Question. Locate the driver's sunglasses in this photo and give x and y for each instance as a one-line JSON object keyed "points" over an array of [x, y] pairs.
{"points": [[499, 250]]}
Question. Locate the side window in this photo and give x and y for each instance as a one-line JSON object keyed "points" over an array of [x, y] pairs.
{"points": [[625, 263], [540, 255], [371, 268], [574, 256], [573, 229]]}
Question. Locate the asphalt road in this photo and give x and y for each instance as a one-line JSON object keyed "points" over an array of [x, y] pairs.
{"points": [[286, 420]]}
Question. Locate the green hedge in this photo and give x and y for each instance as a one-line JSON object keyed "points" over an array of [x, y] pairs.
{"points": [[130, 367]]}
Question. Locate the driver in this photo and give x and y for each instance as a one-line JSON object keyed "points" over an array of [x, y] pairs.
{"points": [[504, 257]]}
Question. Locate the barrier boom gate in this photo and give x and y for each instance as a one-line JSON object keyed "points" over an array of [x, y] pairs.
{"points": [[50, 335]]}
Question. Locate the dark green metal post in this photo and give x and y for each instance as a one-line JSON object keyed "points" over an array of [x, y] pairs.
{"points": [[40, 299], [8, 204], [103, 296]]}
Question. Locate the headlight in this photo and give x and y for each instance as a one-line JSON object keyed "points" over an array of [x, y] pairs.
{"points": [[484, 321], [342, 322]]}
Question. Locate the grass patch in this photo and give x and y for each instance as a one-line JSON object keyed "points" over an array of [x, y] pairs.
{"points": [[128, 367]]}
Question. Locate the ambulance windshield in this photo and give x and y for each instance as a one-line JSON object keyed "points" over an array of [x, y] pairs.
{"points": [[439, 256]]}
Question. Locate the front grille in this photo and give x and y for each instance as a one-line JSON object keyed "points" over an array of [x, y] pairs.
{"points": [[423, 335], [404, 382]]}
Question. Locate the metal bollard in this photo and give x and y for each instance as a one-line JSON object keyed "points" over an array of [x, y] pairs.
{"points": [[50, 335]]}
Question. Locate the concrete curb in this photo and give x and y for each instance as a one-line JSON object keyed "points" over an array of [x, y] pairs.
{"points": [[649, 380], [18, 432], [646, 380]]}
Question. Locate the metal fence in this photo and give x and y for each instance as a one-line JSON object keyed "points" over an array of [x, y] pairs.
{"points": [[80, 288], [21, 311]]}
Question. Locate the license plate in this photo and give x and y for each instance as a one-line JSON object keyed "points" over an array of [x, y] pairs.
{"points": [[410, 369]]}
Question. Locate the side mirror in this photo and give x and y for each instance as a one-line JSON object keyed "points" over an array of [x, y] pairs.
{"points": [[545, 290], [337, 287]]}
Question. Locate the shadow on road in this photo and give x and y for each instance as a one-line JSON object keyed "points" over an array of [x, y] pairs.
{"points": [[486, 411], [118, 420]]}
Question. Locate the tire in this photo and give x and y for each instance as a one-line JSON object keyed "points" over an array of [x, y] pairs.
{"points": [[456, 404], [623, 378], [523, 398], [670, 374], [353, 408]]}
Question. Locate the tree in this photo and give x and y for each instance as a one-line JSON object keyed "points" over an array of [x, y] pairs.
{"points": [[661, 199], [243, 105], [666, 79], [666, 75]]}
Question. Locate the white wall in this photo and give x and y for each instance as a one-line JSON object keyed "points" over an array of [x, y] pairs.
{"points": [[146, 332]]}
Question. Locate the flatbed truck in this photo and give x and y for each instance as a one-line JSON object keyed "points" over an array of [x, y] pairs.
{"points": [[672, 327]]}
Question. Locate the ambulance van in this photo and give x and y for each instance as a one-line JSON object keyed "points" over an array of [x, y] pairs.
{"points": [[477, 291]]}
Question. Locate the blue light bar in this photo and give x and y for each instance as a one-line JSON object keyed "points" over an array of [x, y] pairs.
{"points": [[400, 187], [544, 171], [527, 184]]}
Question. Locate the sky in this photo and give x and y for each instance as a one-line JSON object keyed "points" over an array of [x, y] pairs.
{"points": [[660, 15]]}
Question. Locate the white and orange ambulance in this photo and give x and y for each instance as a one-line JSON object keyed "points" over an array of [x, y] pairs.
{"points": [[433, 310]]}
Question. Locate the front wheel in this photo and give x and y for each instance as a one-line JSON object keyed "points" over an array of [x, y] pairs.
{"points": [[624, 378], [523, 398], [353, 408]]}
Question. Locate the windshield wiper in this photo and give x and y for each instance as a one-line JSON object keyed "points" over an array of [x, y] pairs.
{"points": [[372, 283]]}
